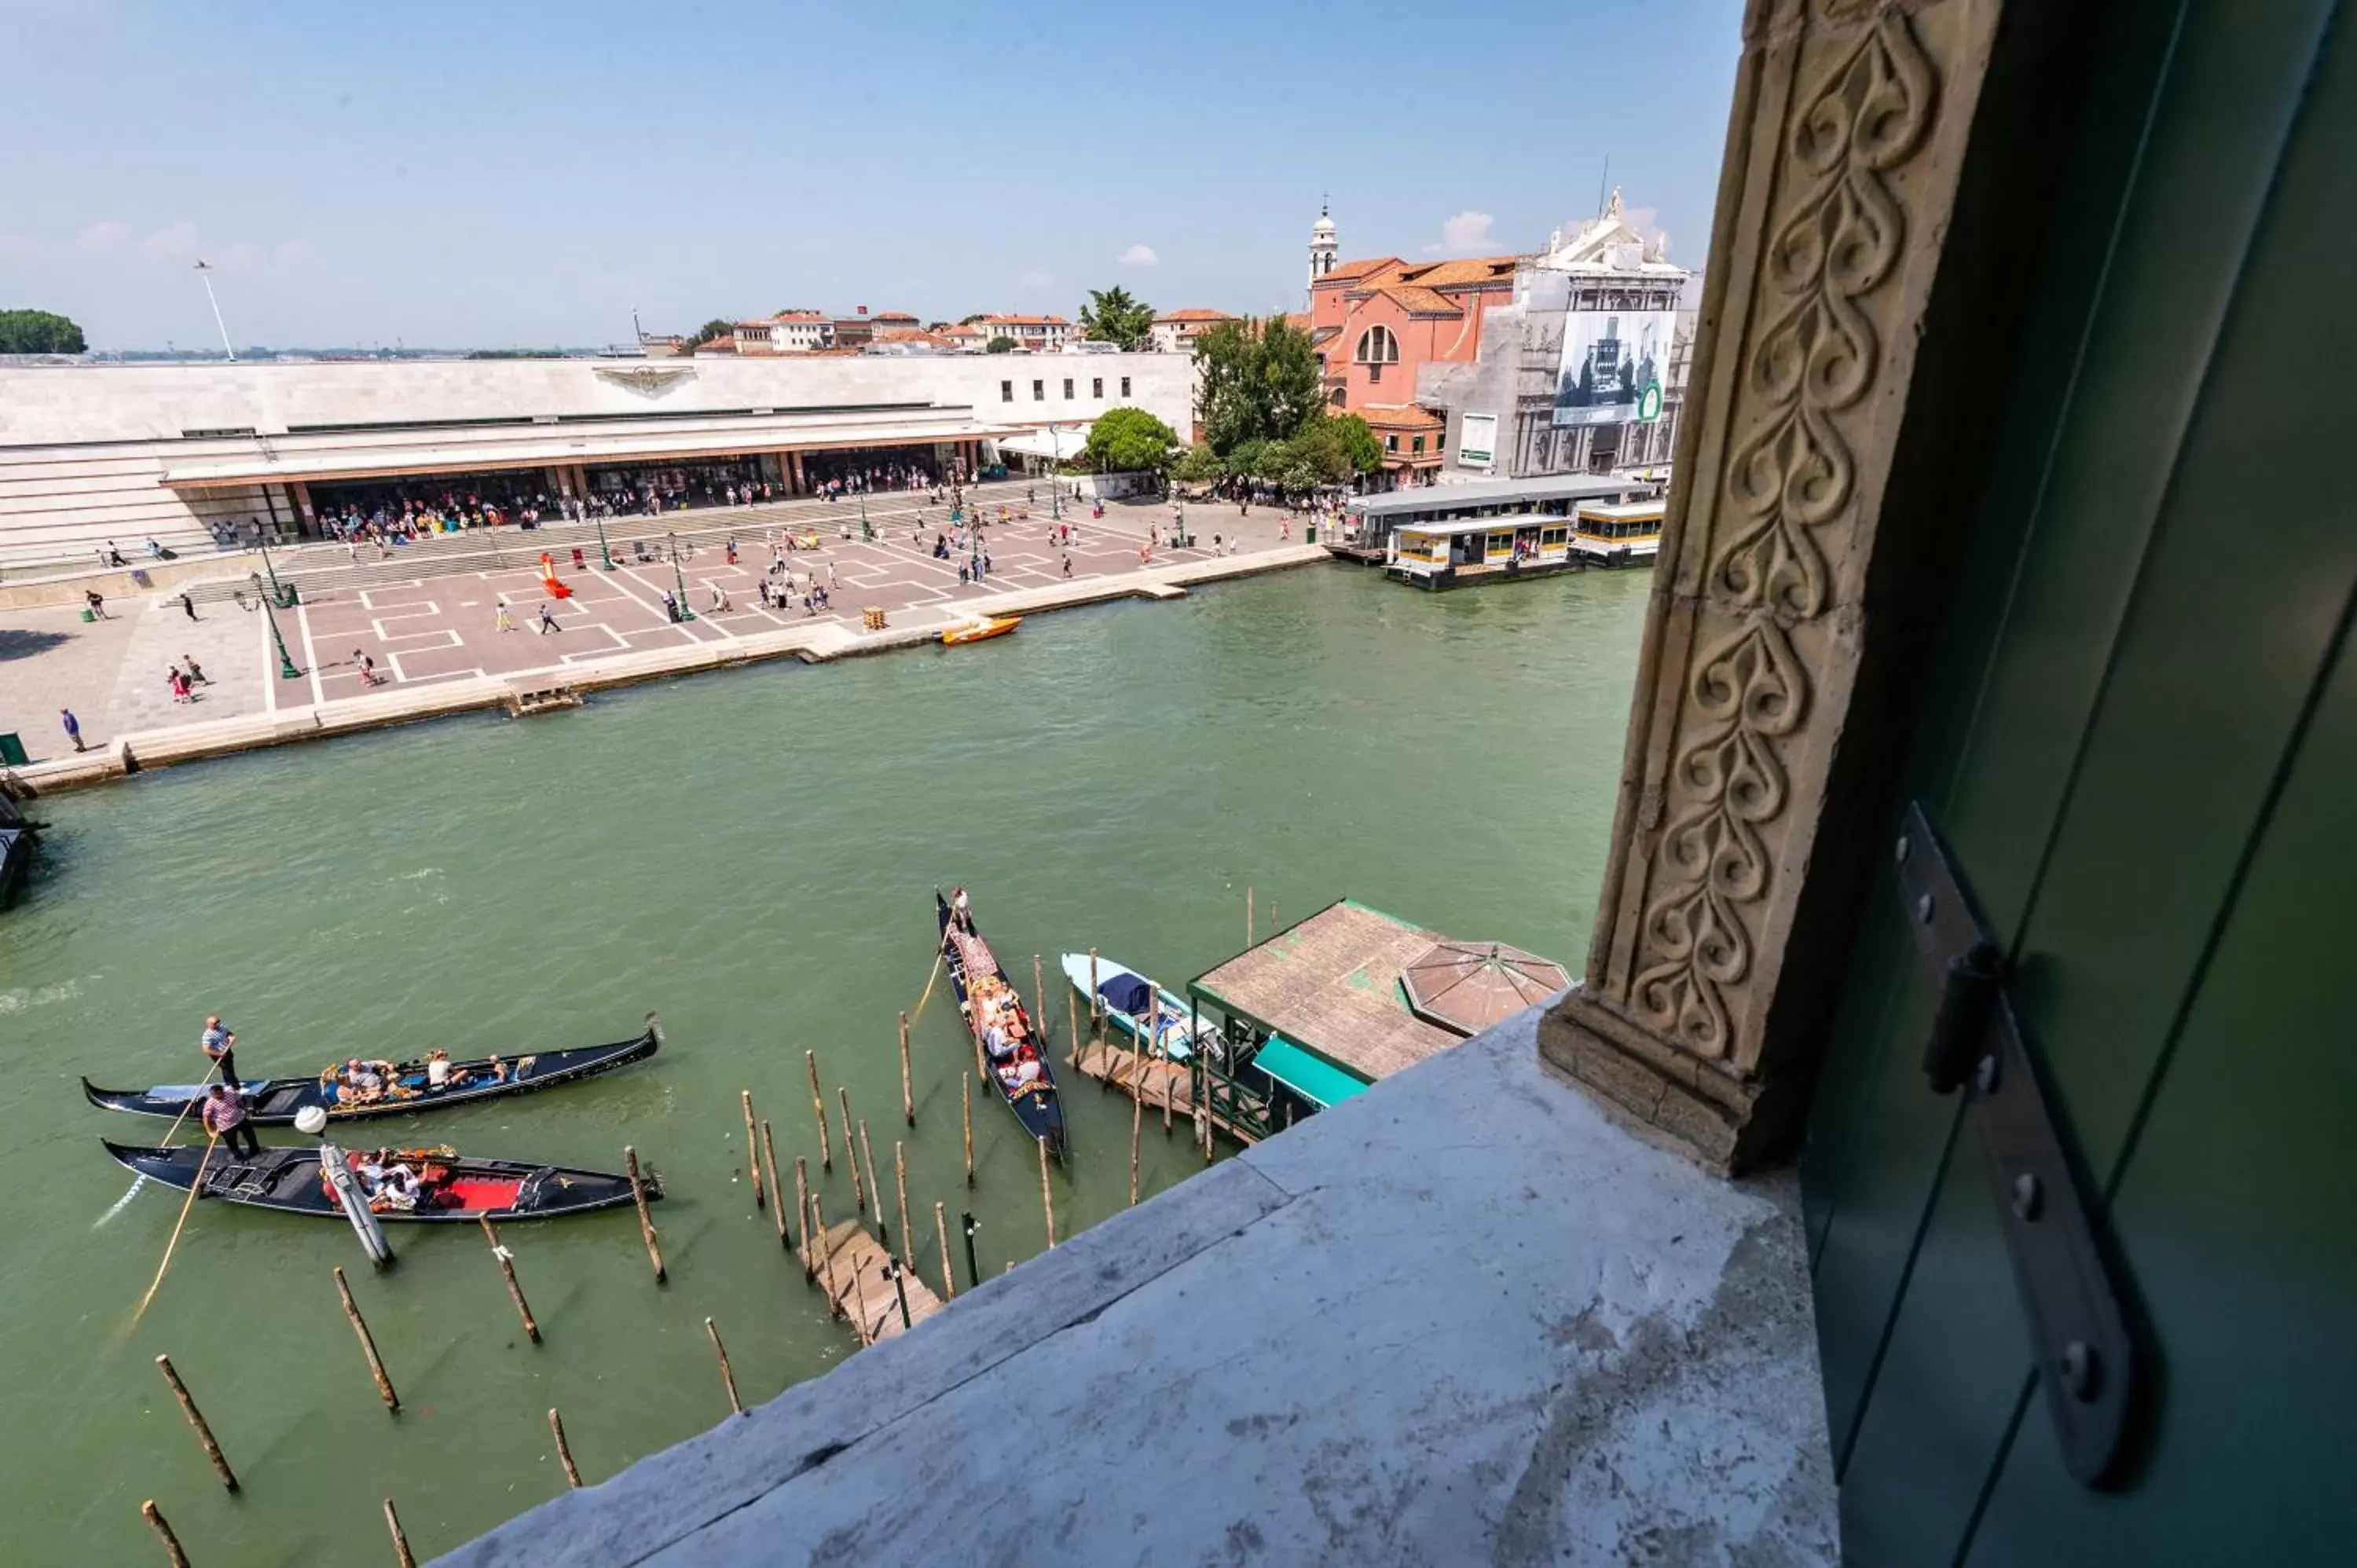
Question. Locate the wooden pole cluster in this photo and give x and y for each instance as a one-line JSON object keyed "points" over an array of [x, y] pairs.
{"points": [[908, 1085], [646, 1225], [728, 1373], [818, 1110], [155, 1521], [965, 1092], [752, 1149], [564, 1450], [196, 1422], [1047, 1194], [368, 1345], [777, 1198], [942, 1234], [851, 1149], [507, 1273], [401, 1552]]}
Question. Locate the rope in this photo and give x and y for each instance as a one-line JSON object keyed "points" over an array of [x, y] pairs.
{"points": [[195, 1185]]}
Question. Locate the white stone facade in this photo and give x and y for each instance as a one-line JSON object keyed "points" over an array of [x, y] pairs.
{"points": [[91, 453]]}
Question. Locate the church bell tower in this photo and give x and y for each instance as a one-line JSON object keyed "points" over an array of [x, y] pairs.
{"points": [[1322, 247]]}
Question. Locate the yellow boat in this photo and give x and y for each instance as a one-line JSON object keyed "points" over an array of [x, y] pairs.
{"points": [[982, 630]]}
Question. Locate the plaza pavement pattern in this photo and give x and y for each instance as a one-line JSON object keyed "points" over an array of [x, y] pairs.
{"points": [[443, 630]]}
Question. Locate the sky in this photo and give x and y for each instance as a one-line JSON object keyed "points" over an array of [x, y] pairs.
{"points": [[521, 174]]}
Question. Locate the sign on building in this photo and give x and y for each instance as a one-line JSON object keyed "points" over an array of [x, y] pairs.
{"points": [[1610, 360], [1477, 441]]}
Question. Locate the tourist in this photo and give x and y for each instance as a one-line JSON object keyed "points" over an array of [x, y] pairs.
{"points": [[155, 551], [732, 548], [1215, 544], [112, 556], [195, 670], [548, 621], [74, 727], [720, 604], [178, 683], [670, 607], [502, 617], [220, 1047], [1068, 565], [224, 1117], [96, 603], [368, 676], [438, 1070]]}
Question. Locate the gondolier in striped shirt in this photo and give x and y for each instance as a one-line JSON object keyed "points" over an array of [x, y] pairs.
{"points": [[224, 1118], [220, 1047]]}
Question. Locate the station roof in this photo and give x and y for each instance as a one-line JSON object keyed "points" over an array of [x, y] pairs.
{"points": [[1608, 513], [1504, 522], [1331, 986], [1495, 492]]}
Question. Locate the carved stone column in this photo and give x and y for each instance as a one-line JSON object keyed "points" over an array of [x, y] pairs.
{"points": [[1853, 315]]}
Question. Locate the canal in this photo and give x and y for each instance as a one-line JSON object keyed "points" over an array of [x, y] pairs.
{"points": [[752, 856]]}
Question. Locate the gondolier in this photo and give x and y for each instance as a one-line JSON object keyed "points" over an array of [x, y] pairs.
{"points": [[224, 1118], [220, 1047]]}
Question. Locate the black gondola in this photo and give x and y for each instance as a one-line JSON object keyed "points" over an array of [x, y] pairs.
{"points": [[275, 1101], [460, 1189], [1035, 1103]]}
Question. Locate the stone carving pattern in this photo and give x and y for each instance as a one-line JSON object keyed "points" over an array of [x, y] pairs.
{"points": [[1816, 357]]}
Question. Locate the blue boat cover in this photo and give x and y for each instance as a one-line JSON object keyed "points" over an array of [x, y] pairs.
{"points": [[1125, 994]]}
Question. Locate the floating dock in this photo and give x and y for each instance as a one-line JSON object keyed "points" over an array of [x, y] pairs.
{"points": [[1156, 1080], [864, 1293]]}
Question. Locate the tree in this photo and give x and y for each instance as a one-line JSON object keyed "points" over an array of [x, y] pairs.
{"points": [[1257, 381], [716, 327], [1000, 346], [1199, 464], [1128, 441], [1112, 317], [38, 332], [1293, 382], [1366, 453], [969, 320]]}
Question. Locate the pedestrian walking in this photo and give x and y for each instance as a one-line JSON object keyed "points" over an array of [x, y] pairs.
{"points": [[548, 621], [368, 667], [96, 603], [732, 547], [195, 670], [189, 607], [74, 727], [503, 617], [224, 1117], [220, 1045], [830, 576]]}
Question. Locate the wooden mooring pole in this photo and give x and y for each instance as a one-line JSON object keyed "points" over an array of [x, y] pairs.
{"points": [[646, 1225], [942, 1234], [965, 1092], [401, 1552], [874, 1190], [1168, 1078], [155, 1521], [801, 1213], [507, 1273], [368, 1345], [752, 1149], [900, 1181], [196, 1422], [851, 1150], [777, 1198], [1136, 1120], [1039, 1004], [1073, 1011], [818, 1109], [908, 1085], [1047, 1194], [728, 1373], [564, 1449], [1248, 915]]}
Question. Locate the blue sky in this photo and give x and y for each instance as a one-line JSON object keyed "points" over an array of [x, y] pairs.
{"points": [[524, 174]]}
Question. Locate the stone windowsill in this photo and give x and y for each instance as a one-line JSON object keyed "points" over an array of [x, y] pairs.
{"points": [[1462, 1318]]}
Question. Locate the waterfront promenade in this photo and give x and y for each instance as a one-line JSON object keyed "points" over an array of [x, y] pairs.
{"points": [[429, 623]]}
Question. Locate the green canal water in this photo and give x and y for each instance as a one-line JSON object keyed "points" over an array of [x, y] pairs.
{"points": [[752, 856]]}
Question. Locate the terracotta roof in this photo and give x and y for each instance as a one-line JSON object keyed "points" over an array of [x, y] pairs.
{"points": [[891, 315], [1422, 301], [1299, 320], [1463, 273], [718, 346], [784, 316], [910, 335], [1349, 272], [1410, 418], [1028, 320], [1194, 315]]}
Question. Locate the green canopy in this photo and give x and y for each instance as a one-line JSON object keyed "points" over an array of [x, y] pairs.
{"points": [[1321, 1084]]}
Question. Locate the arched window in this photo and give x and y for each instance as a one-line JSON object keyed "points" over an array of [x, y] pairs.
{"points": [[1377, 347]]}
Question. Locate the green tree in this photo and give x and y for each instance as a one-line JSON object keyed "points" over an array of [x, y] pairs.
{"points": [[1000, 346], [1255, 380], [1293, 382], [716, 327], [38, 332], [1111, 316], [1199, 464], [970, 320], [1128, 441], [1366, 453]]}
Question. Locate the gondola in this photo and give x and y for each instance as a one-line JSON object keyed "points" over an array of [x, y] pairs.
{"points": [[459, 1190], [275, 1101], [971, 963]]}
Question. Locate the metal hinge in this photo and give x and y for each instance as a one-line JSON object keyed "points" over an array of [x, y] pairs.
{"points": [[2086, 1359]]}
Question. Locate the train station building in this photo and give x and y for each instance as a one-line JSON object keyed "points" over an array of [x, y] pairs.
{"points": [[196, 455]]}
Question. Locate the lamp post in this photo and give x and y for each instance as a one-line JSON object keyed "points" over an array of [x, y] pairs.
{"points": [[277, 589], [604, 553], [678, 582], [899, 1276], [973, 1269], [205, 270], [286, 671], [1055, 479]]}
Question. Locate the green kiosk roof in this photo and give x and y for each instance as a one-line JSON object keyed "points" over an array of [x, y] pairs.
{"points": [[1316, 1081]]}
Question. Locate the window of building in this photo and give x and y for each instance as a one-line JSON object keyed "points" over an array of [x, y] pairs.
{"points": [[1067, 388], [1125, 386], [1006, 392], [1096, 388], [1391, 443], [1417, 445], [1038, 392], [1377, 347]]}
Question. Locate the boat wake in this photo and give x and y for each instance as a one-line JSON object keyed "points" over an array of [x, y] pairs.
{"points": [[122, 1203]]}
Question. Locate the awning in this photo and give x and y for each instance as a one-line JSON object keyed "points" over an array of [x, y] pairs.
{"points": [[1064, 441], [1314, 1080]]}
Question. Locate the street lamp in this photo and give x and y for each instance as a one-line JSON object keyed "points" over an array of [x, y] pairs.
{"points": [[1055, 480], [205, 270], [604, 553], [678, 581], [278, 590], [973, 1269], [286, 671], [899, 1276]]}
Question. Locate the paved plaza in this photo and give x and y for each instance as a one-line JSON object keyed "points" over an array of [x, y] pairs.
{"points": [[443, 624]]}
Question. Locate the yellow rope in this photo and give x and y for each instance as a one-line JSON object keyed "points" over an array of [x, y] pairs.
{"points": [[212, 1142]]}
